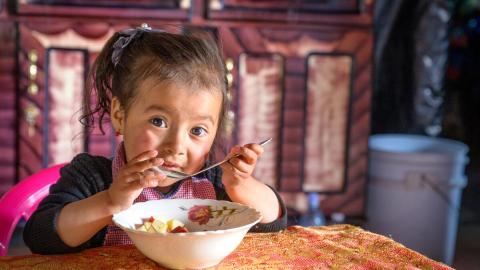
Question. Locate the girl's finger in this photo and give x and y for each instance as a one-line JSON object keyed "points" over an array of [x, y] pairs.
{"points": [[151, 178], [233, 151], [148, 173], [144, 156], [247, 155], [239, 165], [143, 165], [258, 149], [135, 177], [145, 179], [151, 181], [135, 185]]}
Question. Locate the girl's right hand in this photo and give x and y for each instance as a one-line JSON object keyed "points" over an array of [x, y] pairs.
{"points": [[133, 178]]}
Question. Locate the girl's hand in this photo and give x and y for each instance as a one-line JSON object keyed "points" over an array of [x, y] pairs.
{"points": [[132, 178], [241, 167]]}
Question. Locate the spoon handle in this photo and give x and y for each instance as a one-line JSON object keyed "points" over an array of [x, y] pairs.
{"points": [[180, 176], [225, 160]]}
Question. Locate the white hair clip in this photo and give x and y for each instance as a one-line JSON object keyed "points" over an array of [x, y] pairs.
{"points": [[126, 37]]}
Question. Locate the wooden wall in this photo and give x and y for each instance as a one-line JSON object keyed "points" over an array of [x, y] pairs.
{"points": [[300, 73], [8, 118]]}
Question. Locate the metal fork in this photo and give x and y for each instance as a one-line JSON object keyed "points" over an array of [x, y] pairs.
{"points": [[181, 176]]}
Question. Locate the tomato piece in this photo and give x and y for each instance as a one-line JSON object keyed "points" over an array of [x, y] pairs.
{"points": [[179, 229]]}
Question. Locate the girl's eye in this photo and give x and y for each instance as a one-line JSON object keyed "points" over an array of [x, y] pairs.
{"points": [[159, 122], [198, 131]]}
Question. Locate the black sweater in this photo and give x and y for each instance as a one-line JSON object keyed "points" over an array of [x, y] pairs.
{"points": [[85, 176]]}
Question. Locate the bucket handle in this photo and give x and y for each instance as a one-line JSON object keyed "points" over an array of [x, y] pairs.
{"points": [[431, 181], [421, 179]]}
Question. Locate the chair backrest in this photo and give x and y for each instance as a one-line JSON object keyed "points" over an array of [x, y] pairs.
{"points": [[22, 200]]}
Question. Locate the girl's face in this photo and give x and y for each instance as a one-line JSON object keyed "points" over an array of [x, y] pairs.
{"points": [[179, 123]]}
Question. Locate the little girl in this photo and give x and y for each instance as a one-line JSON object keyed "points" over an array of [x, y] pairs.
{"points": [[166, 94]]}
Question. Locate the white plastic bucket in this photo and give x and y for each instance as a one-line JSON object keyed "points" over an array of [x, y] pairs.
{"points": [[414, 191]]}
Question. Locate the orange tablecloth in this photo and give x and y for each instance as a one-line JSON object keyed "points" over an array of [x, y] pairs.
{"points": [[331, 247]]}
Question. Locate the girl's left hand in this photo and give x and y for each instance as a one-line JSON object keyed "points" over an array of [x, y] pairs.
{"points": [[241, 167]]}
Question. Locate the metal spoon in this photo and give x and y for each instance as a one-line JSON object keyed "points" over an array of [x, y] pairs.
{"points": [[181, 176]]}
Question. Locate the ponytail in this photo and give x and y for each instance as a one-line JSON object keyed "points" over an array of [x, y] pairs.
{"points": [[98, 93]]}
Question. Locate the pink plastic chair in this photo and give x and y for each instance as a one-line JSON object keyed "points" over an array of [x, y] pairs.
{"points": [[22, 200]]}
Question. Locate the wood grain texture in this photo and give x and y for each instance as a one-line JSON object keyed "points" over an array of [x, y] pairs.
{"points": [[259, 32], [7, 106], [326, 5], [260, 98], [30, 151], [66, 77], [291, 12], [78, 11], [327, 118], [341, 88]]}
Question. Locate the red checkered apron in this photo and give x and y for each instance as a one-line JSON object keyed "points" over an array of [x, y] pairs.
{"points": [[195, 188]]}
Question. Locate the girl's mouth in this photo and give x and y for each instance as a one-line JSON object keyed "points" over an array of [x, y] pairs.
{"points": [[171, 166]]}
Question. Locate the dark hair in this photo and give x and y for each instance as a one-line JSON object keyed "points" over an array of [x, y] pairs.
{"points": [[187, 59]]}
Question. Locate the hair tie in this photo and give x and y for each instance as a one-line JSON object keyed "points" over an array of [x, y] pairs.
{"points": [[126, 37]]}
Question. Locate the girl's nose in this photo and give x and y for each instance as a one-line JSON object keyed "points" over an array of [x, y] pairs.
{"points": [[174, 145]]}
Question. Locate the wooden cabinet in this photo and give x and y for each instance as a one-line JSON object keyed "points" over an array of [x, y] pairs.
{"points": [[300, 72], [281, 10], [310, 90], [110, 10], [7, 104]]}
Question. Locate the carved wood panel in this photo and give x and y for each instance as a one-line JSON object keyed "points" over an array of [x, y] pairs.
{"points": [[51, 87], [107, 3], [293, 57], [317, 65], [279, 5], [66, 70], [259, 109], [31, 57], [7, 106], [291, 12], [327, 112], [167, 9]]}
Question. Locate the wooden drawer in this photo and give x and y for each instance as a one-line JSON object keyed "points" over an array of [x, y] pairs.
{"points": [[323, 6], [170, 9], [284, 10]]}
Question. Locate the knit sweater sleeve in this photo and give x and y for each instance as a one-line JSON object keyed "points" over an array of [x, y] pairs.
{"points": [[215, 176], [85, 176]]}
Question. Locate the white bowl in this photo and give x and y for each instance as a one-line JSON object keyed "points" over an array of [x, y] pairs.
{"points": [[210, 238]]}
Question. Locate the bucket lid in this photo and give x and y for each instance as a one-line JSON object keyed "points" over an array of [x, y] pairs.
{"points": [[418, 148]]}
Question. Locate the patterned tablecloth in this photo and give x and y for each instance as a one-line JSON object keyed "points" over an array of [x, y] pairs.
{"points": [[330, 247]]}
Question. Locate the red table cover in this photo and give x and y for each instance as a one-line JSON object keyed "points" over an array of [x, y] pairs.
{"points": [[329, 247]]}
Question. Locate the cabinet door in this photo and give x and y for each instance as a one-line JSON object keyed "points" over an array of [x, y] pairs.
{"points": [[310, 90], [106, 3], [145, 9], [324, 6], [292, 12], [7, 105], [54, 60], [327, 111], [259, 103]]}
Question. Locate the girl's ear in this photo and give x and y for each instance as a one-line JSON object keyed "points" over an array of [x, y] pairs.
{"points": [[117, 115]]}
